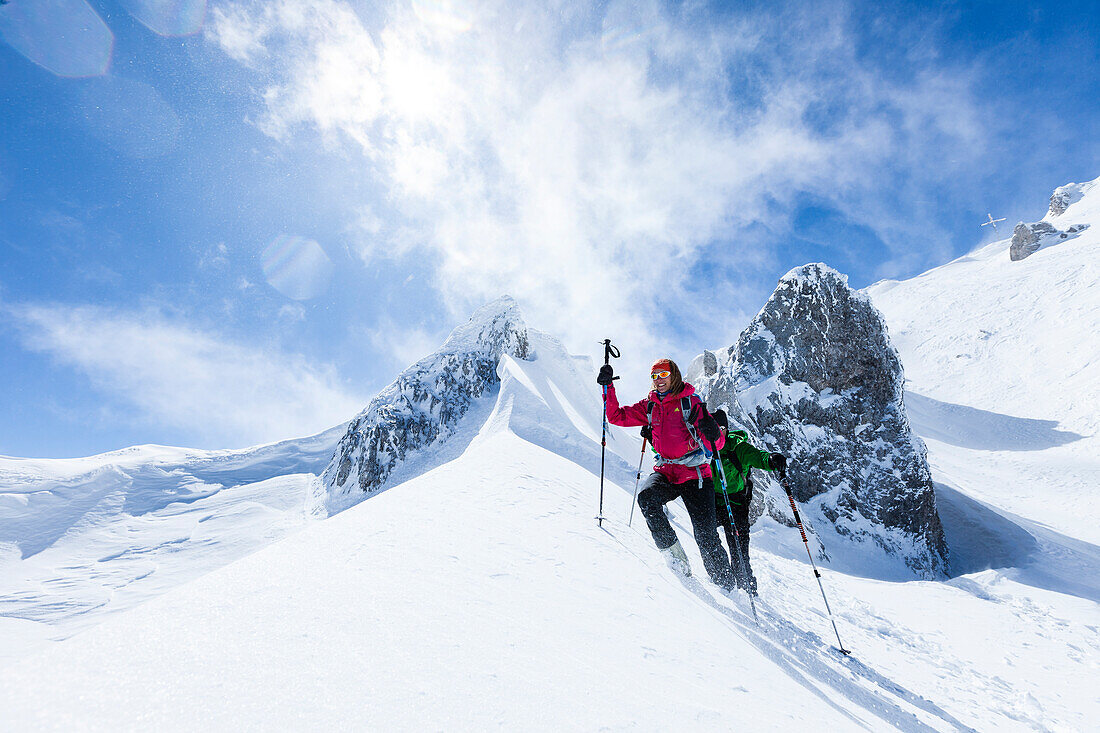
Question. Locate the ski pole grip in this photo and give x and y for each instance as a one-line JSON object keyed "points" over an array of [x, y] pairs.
{"points": [[609, 351]]}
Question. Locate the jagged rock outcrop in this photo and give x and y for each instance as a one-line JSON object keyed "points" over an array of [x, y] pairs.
{"points": [[701, 368], [814, 376], [423, 405], [1028, 238], [1025, 239]]}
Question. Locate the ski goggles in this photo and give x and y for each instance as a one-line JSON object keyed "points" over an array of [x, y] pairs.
{"points": [[661, 375]]}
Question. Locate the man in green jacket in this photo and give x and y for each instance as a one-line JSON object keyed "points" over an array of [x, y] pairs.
{"points": [[739, 456]]}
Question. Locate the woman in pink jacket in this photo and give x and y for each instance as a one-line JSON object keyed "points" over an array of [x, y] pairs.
{"points": [[682, 468]]}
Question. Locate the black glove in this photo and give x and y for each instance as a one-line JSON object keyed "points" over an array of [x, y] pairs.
{"points": [[709, 428], [605, 377], [647, 433], [706, 425], [720, 418], [778, 463]]}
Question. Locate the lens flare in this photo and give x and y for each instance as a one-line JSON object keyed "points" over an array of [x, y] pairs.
{"points": [[618, 38], [297, 267], [65, 37], [168, 17]]}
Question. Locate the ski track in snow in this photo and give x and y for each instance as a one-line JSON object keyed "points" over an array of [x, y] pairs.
{"points": [[813, 662]]}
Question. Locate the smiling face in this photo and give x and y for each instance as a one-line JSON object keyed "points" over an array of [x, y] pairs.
{"points": [[661, 374], [666, 377]]}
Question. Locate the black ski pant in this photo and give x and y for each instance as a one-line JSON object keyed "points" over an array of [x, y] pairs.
{"points": [[743, 575], [699, 500]]}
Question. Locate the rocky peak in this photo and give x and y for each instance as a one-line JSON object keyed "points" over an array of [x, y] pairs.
{"points": [[701, 369], [424, 404], [817, 330], [494, 329], [815, 377]]}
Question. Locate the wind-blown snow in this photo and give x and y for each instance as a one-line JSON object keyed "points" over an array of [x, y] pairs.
{"points": [[82, 539]]}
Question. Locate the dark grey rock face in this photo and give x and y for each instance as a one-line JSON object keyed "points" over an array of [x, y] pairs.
{"points": [[1025, 239], [815, 377], [423, 405]]}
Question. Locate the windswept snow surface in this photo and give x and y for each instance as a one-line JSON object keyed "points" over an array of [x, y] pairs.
{"points": [[1003, 366], [481, 594], [84, 538]]}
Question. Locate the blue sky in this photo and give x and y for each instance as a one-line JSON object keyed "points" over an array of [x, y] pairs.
{"points": [[227, 223]]}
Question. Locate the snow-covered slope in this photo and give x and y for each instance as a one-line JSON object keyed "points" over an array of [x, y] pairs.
{"points": [[84, 538], [483, 595], [1002, 359]]}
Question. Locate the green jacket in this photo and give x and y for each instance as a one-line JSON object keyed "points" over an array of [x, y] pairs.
{"points": [[738, 456]]}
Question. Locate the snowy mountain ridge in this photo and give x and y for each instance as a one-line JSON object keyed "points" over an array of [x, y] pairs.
{"points": [[422, 406], [503, 605], [86, 538]]}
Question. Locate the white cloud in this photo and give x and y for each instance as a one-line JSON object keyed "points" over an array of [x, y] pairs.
{"points": [[222, 393], [584, 158], [404, 345]]}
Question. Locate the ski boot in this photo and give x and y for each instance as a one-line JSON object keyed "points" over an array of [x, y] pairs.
{"points": [[677, 559]]}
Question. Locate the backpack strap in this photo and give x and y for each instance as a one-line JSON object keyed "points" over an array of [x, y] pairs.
{"points": [[685, 411], [695, 458]]}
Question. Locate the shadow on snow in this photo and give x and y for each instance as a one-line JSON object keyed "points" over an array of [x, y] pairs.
{"points": [[969, 427], [982, 538]]}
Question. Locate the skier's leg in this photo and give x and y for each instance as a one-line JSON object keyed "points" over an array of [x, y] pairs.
{"points": [[655, 493], [699, 501]]}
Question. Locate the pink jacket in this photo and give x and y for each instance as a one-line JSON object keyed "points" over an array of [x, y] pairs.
{"points": [[671, 438]]}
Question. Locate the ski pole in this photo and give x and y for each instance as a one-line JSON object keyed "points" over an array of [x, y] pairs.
{"points": [[637, 480], [608, 352], [817, 573], [736, 534]]}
